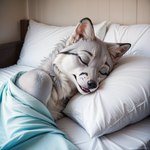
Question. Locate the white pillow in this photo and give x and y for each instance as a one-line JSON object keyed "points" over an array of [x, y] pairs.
{"points": [[138, 35], [100, 29], [123, 98], [41, 40]]}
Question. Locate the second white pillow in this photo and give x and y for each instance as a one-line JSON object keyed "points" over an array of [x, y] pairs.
{"points": [[123, 98]]}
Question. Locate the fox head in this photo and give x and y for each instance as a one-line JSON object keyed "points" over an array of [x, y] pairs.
{"points": [[87, 60]]}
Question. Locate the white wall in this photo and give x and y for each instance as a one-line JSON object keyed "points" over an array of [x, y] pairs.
{"points": [[66, 12], [11, 11], [69, 12]]}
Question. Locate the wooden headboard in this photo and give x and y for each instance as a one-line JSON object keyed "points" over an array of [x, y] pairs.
{"points": [[23, 28], [10, 52]]}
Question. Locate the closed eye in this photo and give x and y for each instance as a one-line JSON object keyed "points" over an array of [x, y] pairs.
{"points": [[89, 53], [84, 56], [104, 71], [82, 61], [70, 53]]}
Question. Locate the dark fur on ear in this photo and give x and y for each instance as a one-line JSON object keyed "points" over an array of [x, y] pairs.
{"points": [[84, 30], [117, 50], [86, 18]]}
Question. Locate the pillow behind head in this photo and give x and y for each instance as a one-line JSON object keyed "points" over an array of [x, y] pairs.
{"points": [[41, 40], [123, 98], [138, 35]]}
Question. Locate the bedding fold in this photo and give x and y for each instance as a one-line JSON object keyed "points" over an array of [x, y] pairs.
{"points": [[26, 123]]}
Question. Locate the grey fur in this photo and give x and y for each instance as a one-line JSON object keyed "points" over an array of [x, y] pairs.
{"points": [[80, 66]]}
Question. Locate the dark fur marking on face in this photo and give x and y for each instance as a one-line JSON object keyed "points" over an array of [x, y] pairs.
{"points": [[83, 73], [68, 53]]}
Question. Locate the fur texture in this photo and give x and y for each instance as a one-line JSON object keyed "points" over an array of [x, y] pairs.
{"points": [[79, 66]]}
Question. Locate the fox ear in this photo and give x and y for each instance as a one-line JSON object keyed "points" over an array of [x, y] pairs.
{"points": [[117, 50], [83, 30]]}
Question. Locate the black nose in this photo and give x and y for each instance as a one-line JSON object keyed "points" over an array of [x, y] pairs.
{"points": [[91, 84]]}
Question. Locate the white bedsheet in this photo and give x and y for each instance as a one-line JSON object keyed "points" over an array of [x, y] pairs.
{"points": [[6, 73], [133, 137]]}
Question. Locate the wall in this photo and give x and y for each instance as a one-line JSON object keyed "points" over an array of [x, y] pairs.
{"points": [[11, 11], [69, 12], [66, 12]]}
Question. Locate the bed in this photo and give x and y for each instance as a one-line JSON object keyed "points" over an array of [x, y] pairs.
{"points": [[127, 134]]}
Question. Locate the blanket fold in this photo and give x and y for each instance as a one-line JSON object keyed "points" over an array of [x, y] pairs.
{"points": [[25, 123]]}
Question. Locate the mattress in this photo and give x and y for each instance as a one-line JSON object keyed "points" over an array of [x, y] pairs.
{"points": [[6, 73], [133, 137]]}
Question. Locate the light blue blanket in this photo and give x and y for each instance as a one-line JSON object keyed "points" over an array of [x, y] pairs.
{"points": [[26, 124]]}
